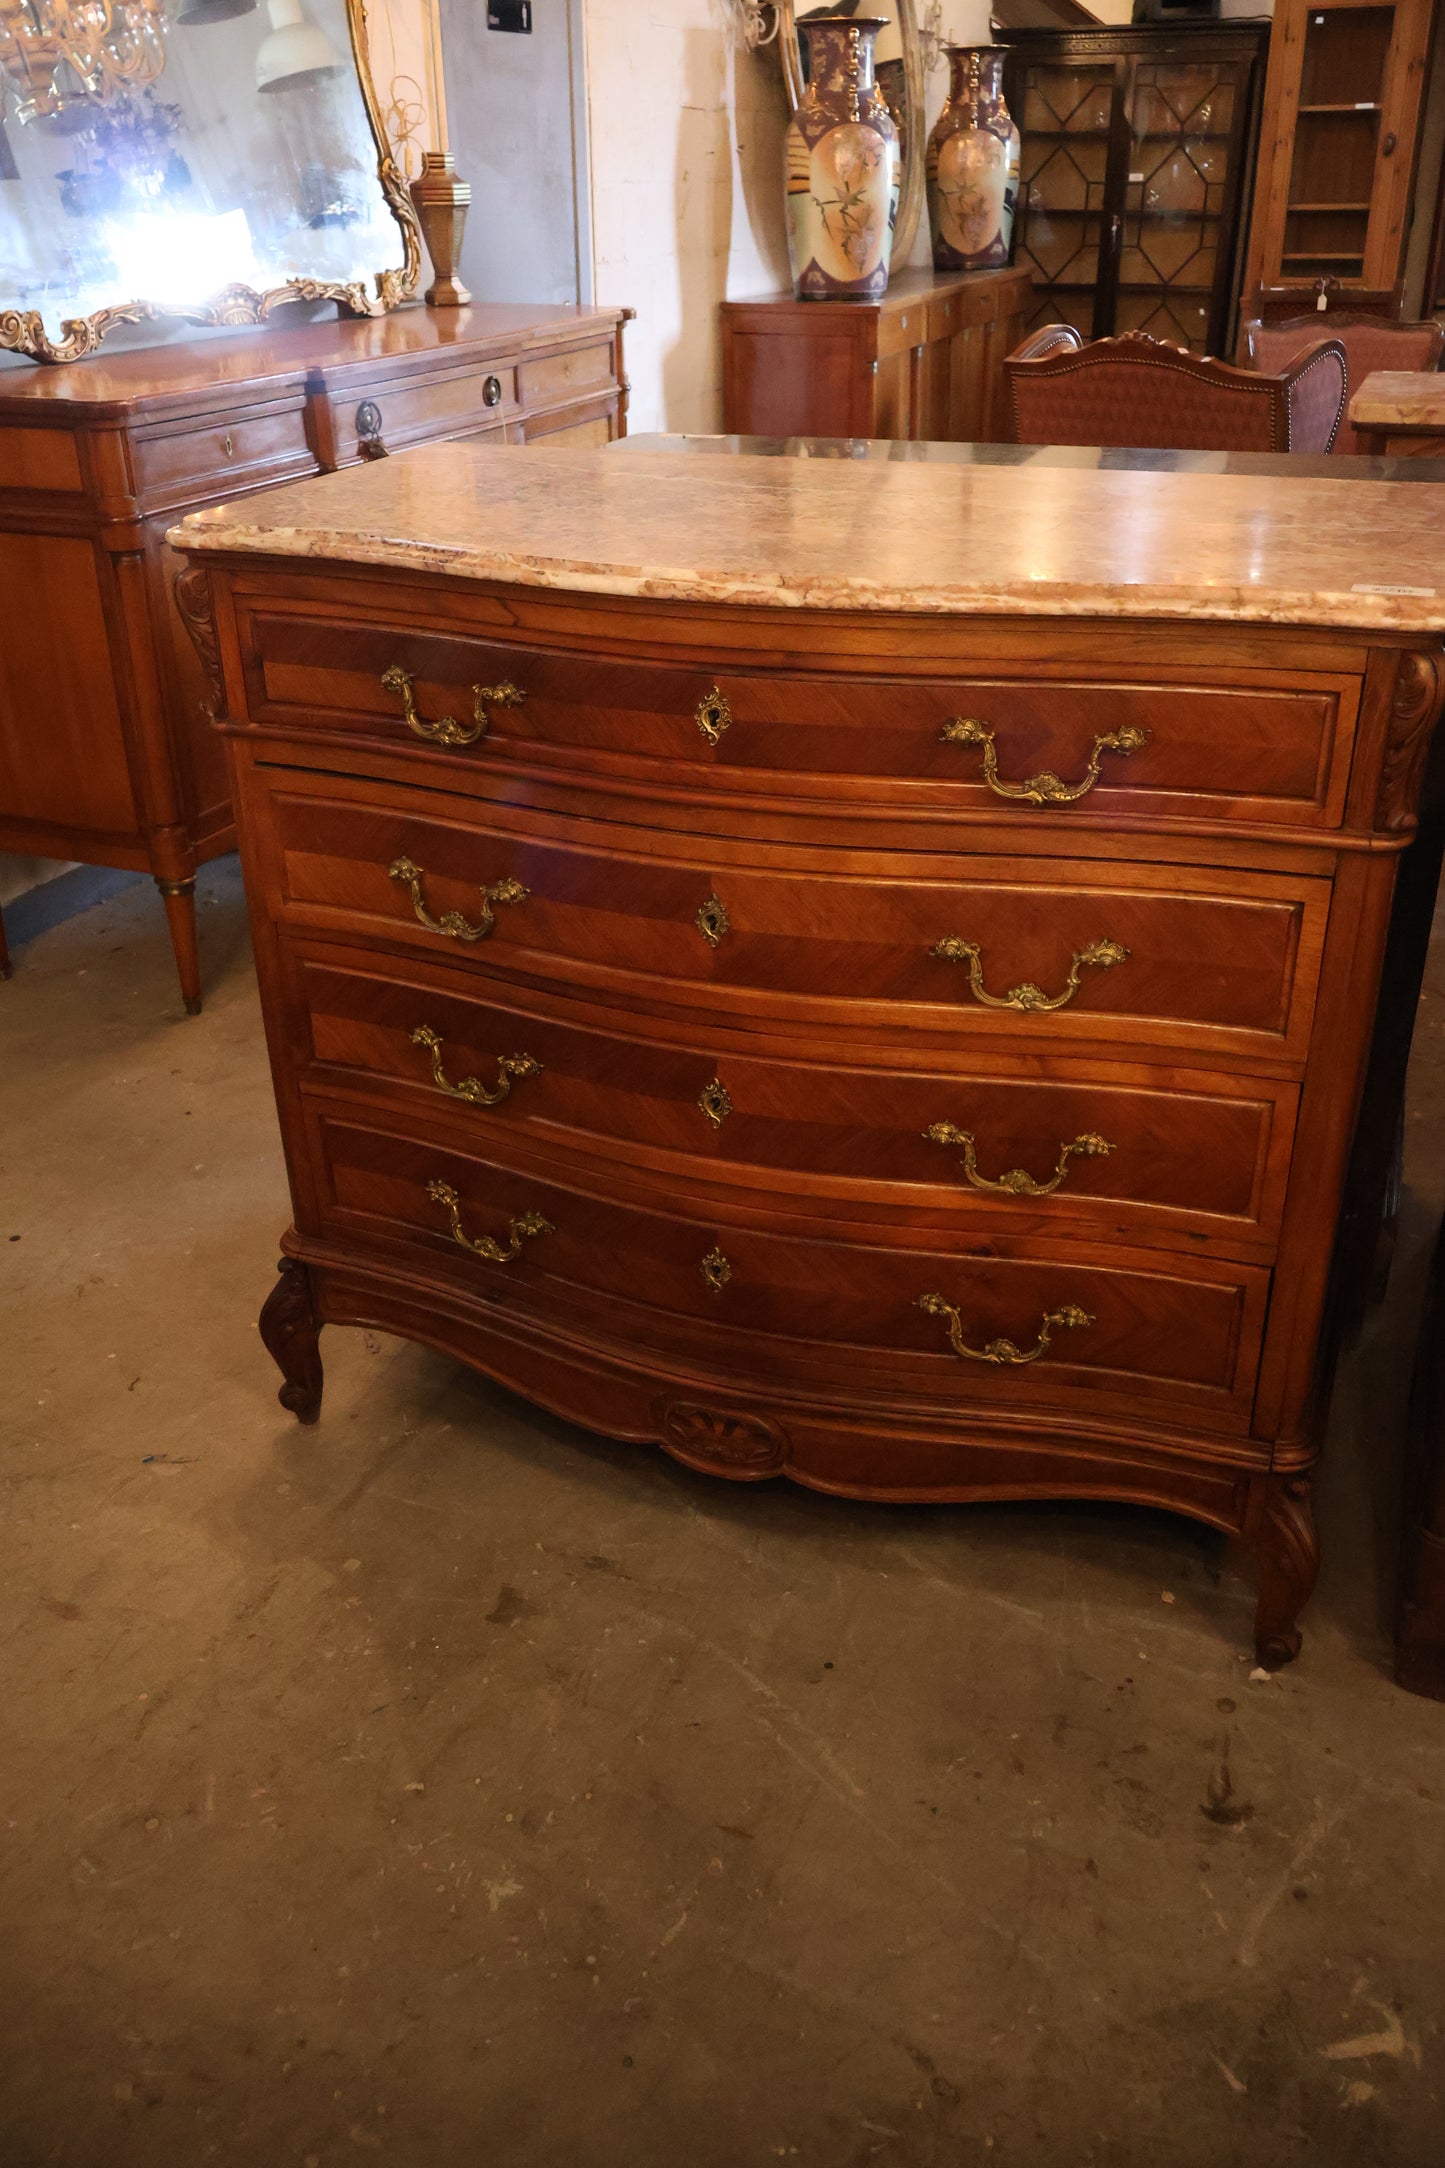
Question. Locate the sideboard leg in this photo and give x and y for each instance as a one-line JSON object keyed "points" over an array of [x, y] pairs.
{"points": [[290, 1330], [1287, 1549], [179, 898]]}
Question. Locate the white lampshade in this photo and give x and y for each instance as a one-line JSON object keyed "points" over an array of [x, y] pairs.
{"points": [[296, 52]]}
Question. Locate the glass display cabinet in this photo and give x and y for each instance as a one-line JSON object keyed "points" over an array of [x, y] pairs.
{"points": [[1136, 144]]}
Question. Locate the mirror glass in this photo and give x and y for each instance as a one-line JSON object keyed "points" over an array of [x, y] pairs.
{"points": [[189, 158]]}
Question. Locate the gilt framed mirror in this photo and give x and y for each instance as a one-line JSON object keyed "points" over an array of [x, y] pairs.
{"points": [[205, 160], [900, 78]]}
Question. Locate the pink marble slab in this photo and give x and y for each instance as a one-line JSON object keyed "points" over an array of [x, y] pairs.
{"points": [[1027, 540]]}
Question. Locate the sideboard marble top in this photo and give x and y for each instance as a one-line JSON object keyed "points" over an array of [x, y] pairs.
{"points": [[1029, 537]]}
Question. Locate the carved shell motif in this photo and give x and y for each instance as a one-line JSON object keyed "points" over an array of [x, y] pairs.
{"points": [[1418, 691], [719, 1441]]}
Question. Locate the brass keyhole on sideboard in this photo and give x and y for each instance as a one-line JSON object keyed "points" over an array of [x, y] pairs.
{"points": [[228, 447], [712, 920]]}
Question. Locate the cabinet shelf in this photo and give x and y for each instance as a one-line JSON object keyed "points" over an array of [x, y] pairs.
{"points": [[1322, 255], [1291, 207], [1351, 107]]}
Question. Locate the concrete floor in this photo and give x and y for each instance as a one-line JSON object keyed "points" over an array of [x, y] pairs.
{"points": [[445, 1785]]}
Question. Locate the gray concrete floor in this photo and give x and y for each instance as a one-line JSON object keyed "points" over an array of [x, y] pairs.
{"points": [[445, 1785]]}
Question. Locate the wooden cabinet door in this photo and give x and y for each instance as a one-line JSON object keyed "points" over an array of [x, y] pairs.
{"points": [[1069, 113], [1337, 149]]}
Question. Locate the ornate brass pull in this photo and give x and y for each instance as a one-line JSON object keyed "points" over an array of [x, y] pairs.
{"points": [[712, 920], [1016, 1183], [1102, 955], [712, 714], [1003, 1351], [451, 923], [446, 730], [1047, 788], [520, 1230], [471, 1088]]}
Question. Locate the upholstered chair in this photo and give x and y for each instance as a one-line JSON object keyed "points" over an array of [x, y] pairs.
{"points": [[1370, 343], [1137, 391]]}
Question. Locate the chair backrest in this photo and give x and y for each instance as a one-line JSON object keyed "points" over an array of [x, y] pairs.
{"points": [[1137, 391], [1370, 343]]}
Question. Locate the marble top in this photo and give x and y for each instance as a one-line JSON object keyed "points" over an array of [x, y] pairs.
{"points": [[1285, 466], [1400, 398], [1027, 539]]}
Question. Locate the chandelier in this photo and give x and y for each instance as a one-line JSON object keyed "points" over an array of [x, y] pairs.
{"points": [[66, 57]]}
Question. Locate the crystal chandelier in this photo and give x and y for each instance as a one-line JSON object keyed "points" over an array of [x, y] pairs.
{"points": [[66, 57]]}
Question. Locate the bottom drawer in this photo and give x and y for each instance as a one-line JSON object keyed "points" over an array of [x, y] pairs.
{"points": [[921, 1318]]}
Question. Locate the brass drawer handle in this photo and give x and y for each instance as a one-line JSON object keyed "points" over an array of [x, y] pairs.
{"points": [[520, 1230], [471, 1088], [1015, 1183], [446, 730], [451, 923], [1048, 788], [1101, 955], [712, 714], [1003, 1351]]}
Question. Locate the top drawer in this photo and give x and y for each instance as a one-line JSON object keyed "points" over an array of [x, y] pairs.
{"points": [[419, 409], [1269, 750]]}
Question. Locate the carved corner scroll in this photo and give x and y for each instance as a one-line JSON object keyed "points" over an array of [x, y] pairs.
{"points": [[718, 1441], [192, 590], [1419, 691]]}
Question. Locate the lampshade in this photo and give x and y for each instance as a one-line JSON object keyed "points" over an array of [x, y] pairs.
{"points": [[296, 52]]}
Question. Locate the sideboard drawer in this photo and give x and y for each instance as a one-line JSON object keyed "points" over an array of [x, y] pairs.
{"points": [[627, 1265], [223, 454], [1257, 751], [1152, 1157], [1207, 960], [421, 409], [549, 377]]}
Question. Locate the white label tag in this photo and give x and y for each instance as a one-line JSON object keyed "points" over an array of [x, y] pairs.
{"points": [[1383, 587]]}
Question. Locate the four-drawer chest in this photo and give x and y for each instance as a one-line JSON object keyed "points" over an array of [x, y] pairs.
{"points": [[861, 977]]}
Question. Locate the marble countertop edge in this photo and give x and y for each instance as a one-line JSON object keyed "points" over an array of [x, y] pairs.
{"points": [[1233, 603]]}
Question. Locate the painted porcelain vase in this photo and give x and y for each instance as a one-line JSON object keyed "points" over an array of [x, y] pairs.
{"points": [[973, 165], [843, 166]]}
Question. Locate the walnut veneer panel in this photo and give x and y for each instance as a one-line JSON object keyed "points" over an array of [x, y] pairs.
{"points": [[715, 1051]]}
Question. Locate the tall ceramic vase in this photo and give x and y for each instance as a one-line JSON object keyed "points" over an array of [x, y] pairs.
{"points": [[842, 165], [973, 165]]}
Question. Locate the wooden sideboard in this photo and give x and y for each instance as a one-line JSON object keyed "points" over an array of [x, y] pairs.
{"points": [[106, 749], [887, 1007], [925, 362]]}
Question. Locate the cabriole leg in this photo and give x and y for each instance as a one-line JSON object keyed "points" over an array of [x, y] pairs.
{"points": [[179, 898], [290, 1330], [1288, 1552]]}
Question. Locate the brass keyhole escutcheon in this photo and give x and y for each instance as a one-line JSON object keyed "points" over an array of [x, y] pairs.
{"points": [[715, 1103], [713, 715], [716, 1271], [712, 920]]}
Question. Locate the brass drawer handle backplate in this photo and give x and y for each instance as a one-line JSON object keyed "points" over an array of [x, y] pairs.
{"points": [[520, 1230], [1101, 955], [451, 923], [471, 1088], [712, 714], [1003, 1351], [1016, 1183], [1048, 788], [446, 730]]}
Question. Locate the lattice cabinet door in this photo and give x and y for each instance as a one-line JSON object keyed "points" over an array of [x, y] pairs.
{"points": [[1186, 133], [1136, 141]]}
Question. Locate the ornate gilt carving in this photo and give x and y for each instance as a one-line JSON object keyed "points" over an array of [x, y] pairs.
{"points": [[1046, 788], [1419, 689], [722, 1441], [1098, 956], [1068, 1317], [192, 590]]}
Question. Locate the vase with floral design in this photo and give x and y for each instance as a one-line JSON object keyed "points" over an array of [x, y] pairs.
{"points": [[842, 165], [973, 165]]}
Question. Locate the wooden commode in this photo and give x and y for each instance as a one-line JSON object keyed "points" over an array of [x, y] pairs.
{"points": [[862, 973], [106, 750]]}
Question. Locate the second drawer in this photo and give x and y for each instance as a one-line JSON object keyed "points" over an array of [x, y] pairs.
{"points": [[1160, 1155]]}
